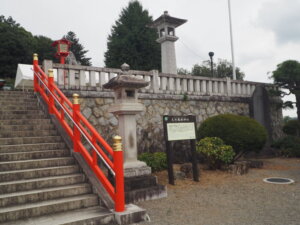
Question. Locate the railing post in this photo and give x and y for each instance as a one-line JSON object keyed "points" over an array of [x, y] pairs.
{"points": [[76, 132], [51, 89], [119, 178], [35, 69]]}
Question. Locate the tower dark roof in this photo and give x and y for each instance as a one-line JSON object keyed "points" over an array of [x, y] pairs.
{"points": [[166, 18]]}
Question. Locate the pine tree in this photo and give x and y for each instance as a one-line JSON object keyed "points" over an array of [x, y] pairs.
{"points": [[132, 41], [78, 49]]}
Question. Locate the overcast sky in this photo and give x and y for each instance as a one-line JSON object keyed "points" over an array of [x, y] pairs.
{"points": [[265, 32]]}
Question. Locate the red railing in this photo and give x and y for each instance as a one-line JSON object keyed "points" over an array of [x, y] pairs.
{"points": [[68, 113]]}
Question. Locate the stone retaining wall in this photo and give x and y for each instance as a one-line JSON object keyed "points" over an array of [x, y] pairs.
{"points": [[94, 106]]}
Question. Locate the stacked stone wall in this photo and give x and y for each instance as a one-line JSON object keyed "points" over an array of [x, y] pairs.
{"points": [[149, 123]]}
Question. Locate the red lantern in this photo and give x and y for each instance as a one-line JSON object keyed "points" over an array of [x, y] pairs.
{"points": [[62, 49]]}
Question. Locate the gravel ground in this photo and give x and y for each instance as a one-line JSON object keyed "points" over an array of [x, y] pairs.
{"points": [[224, 199]]}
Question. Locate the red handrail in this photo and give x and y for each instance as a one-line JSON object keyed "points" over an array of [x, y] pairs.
{"points": [[59, 105]]}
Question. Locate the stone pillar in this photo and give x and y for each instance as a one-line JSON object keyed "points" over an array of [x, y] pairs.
{"points": [[125, 108]]}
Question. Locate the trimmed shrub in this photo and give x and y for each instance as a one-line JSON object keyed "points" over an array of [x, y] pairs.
{"points": [[292, 127], [215, 152], [242, 133], [288, 146], [157, 161]]}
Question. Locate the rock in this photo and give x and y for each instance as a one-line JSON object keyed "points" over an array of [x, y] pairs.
{"points": [[113, 121], [178, 175], [239, 168], [87, 112], [187, 169], [97, 111], [256, 164], [99, 101]]}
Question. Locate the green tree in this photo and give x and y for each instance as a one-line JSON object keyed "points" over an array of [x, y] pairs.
{"points": [[132, 41], [43, 47], [78, 49], [16, 46], [287, 79], [221, 69]]}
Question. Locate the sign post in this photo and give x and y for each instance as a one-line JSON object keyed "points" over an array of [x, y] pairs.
{"points": [[178, 128]]}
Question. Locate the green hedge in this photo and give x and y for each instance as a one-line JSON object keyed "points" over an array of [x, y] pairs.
{"points": [[157, 161], [288, 146], [242, 133], [292, 127], [215, 152]]}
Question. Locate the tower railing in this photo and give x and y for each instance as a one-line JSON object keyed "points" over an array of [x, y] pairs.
{"points": [[83, 134]]}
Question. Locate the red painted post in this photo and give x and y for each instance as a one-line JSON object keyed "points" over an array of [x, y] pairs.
{"points": [[119, 177], [35, 69], [62, 60], [76, 132], [51, 89]]}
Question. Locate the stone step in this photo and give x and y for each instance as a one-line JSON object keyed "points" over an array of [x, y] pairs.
{"points": [[36, 127], [21, 93], [22, 116], [19, 107], [36, 163], [37, 173], [25, 121], [27, 133], [144, 194], [47, 207], [86, 216], [29, 140], [39, 183], [17, 101], [20, 112], [5, 157], [25, 197], [31, 147]]}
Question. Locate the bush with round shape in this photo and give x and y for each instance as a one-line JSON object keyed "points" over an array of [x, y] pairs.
{"points": [[242, 133], [292, 127], [215, 152], [288, 146], [157, 161]]}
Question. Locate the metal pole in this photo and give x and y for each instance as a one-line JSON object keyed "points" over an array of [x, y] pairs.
{"points": [[231, 40]]}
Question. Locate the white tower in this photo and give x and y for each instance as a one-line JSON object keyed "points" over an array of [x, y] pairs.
{"points": [[166, 25]]}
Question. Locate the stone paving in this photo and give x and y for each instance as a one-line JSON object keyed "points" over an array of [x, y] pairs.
{"points": [[224, 199]]}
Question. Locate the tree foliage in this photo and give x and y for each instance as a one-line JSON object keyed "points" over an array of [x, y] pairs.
{"points": [[287, 79], [18, 45], [221, 69], [78, 49], [132, 41]]}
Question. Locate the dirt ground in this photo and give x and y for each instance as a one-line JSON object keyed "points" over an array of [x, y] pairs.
{"points": [[221, 198]]}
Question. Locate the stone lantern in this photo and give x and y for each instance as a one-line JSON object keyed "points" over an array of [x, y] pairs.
{"points": [[126, 106], [165, 26]]}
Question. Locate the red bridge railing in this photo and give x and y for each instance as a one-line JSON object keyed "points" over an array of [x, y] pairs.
{"points": [[81, 133]]}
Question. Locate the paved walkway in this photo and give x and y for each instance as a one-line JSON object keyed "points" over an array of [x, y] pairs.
{"points": [[224, 199]]}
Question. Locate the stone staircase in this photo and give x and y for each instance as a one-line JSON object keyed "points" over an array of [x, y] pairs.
{"points": [[40, 183]]}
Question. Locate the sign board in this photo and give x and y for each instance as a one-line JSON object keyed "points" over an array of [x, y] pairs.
{"points": [[180, 127]]}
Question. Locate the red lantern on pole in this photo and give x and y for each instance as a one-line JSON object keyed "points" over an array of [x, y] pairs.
{"points": [[62, 49]]}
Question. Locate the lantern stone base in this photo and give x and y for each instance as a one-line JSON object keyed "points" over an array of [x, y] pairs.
{"points": [[143, 188], [130, 171]]}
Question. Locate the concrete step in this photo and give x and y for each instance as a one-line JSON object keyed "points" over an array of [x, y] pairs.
{"points": [[29, 140], [44, 194], [5, 157], [16, 92], [31, 147], [47, 207], [17, 107], [37, 173], [25, 121], [39, 183], [21, 112], [27, 133], [17, 101], [36, 127], [144, 194], [36, 163], [22, 116], [86, 216]]}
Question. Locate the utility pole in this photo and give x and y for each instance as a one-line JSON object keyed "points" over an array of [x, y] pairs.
{"points": [[231, 40]]}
